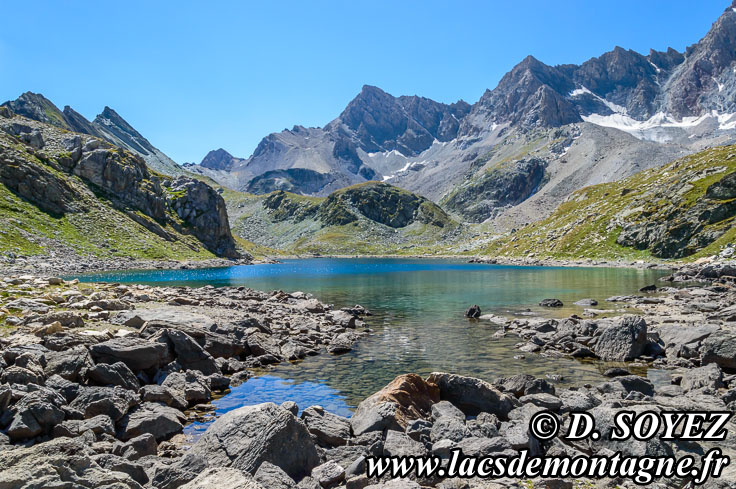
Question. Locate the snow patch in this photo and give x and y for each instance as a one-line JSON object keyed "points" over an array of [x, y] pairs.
{"points": [[615, 108], [659, 120], [656, 68]]}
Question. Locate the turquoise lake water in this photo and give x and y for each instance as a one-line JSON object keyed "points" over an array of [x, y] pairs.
{"points": [[418, 324]]}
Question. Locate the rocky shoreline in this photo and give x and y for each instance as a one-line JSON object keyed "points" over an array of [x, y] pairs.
{"points": [[98, 380]]}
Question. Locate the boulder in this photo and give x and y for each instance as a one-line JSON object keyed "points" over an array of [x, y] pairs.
{"points": [[161, 393], [473, 312], [399, 444], [710, 376], [272, 477], [328, 474], [68, 364], [246, 437], [137, 353], [551, 303], [137, 447], [112, 401], [622, 341], [189, 353], [329, 429], [62, 463], [410, 396], [159, 420], [719, 348], [223, 478], [117, 464], [113, 374], [472, 395]]}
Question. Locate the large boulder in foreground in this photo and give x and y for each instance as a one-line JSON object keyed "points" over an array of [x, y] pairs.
{"points": [[245, 438], [472, 395], [406, 398], [625, 340], [61, 462]]}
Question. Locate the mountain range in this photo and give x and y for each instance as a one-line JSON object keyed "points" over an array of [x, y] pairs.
{"points": [[584, 124], [523, 150]]}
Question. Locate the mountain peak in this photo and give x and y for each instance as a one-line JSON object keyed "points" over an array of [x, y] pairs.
{"points": [[36, 106], [219, 159]]}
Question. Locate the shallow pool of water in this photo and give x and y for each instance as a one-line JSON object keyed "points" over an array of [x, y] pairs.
{"points": [[418, 322]]}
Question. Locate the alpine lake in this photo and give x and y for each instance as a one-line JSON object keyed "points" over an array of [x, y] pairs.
{"points": [[417, 322]]}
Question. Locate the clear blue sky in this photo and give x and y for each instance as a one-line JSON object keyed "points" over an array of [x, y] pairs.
{"points": [[195, 76]]}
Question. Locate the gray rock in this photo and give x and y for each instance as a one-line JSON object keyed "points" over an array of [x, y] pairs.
{"points": [[113, 374], [118, 464], [246, 437], [47, 465], [450, 428], [472, 395], [577, 401], [546, 401], [328, 474], [376, 417], [483, 447], [69, 364], [189, 353], [398, 444], [710, 376], [625, 340], [272, 477], [446, 408], [112, 401], [290, 406], [719, 348], [137, 447], [329, 429], [161, 421], [223, 478], [551, 303], [160, 393], [192, 385], [138, 354]]}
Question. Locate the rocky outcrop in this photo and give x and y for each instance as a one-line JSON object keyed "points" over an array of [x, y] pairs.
{"points": [[198, 205], [107, 176], [382, 203], [486, 194]]}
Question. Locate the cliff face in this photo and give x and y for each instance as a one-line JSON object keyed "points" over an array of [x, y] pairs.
{"points": [[63, 173]]}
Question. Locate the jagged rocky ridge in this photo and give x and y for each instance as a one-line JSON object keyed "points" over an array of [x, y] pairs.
{"points": [[65, 174], [108, 125]]}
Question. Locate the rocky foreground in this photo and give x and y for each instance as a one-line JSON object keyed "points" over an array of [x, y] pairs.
{"points": [[98, 380], [99, 376]]}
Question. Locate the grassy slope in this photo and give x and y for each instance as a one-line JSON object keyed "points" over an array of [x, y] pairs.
{"points": [[586, 225], [101, 231], [252, 221]]}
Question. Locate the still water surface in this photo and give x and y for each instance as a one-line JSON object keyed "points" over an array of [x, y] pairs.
{"points": [[417, 320]]}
